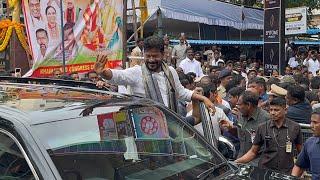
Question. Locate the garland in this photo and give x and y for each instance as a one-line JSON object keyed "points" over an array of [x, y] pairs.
{"points": [[12, 3], [6, 29]]}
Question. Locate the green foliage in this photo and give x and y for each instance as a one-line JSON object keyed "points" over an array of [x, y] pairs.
{"points": [[311, 4]]}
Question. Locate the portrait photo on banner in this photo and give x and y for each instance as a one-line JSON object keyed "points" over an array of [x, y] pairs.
{"points": [[89, 27]]}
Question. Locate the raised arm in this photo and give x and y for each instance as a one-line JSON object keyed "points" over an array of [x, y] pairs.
{"points": [[100, 64]]}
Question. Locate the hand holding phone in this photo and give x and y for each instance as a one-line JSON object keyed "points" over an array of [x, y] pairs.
{"points": [[17, 72]]}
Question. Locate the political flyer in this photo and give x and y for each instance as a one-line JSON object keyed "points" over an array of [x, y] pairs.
{"points": [[124, 128], [107, 127], [83, 29], [150, 123]]}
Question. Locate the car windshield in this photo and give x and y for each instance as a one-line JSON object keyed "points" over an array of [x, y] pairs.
{"points": [[129, 143]]}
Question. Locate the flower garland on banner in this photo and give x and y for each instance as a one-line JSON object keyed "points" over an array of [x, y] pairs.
{"points": [[6, 29]]}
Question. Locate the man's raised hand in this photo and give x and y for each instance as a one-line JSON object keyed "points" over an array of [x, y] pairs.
{"points": [[101, 62]]}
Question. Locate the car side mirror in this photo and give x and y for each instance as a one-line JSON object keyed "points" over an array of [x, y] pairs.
{"points": [[226, 147]]}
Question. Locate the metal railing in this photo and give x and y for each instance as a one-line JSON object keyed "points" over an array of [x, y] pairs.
{"points": [[306, 131]]}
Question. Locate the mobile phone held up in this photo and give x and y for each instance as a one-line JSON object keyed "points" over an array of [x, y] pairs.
{"points": [[17, 72]]}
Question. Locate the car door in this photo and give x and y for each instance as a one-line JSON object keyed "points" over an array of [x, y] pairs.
{"points": [[207, 125], [222, 143], [14, 161]]}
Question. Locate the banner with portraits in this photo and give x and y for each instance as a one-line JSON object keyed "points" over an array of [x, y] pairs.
{"points": [[89, 27]]}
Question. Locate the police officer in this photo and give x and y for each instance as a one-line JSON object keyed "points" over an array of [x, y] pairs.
{"points": [[277, 138]]}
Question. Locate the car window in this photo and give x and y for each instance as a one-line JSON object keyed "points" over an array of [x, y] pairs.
{"points": [[13, 163], [132, 143]]}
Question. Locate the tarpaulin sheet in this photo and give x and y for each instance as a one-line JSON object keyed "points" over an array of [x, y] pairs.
{"points": [[208, 12], [221, 42]]}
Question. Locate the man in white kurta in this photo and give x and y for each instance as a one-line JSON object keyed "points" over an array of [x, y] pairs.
{"points": [[189, 64], [153, 56]]}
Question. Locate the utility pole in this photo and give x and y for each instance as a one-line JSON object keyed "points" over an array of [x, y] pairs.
{"points": [[124, 34], [62, 39], [134, 16], [159, 22]]}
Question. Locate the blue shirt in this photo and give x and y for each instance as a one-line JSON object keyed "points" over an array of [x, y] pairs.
{"points": [[310, 157]]}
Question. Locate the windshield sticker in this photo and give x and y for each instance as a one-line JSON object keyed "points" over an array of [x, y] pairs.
{"points": [[107, 127], [114, 126], [150, 123], [123, 126], [120, 116]]}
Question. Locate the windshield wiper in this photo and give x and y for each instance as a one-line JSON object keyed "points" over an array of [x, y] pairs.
{"points": [[207, 172]]}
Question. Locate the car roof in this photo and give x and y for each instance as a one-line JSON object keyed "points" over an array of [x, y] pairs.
{"points": [[46, 103]]}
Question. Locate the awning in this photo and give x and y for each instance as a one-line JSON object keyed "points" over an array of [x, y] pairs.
{"points": [[208, 12], [220, 42], [313, 31]]}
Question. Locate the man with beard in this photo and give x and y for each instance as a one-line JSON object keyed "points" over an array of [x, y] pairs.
{"points": [[43, 40], [153, 79]]}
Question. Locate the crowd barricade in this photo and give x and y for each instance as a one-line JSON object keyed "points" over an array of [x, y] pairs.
{"points": [[306, 133]]}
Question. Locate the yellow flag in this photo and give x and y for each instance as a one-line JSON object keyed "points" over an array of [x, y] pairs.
{"points": [[144, 10]]}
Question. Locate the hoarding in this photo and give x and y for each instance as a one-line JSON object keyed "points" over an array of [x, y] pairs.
{"points": [[296, 21], [89, 27], [273, 36]]}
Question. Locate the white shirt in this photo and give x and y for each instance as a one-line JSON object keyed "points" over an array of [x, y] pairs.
{"points": [[219, 115], [243, 74], [215, 63], [226, 104], [122, 89], [313, 66], [179, 51], [292, 62], [194, 66], [133, 77]]}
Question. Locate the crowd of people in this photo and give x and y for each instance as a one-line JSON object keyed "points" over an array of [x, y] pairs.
{"points": [[259, 114]]}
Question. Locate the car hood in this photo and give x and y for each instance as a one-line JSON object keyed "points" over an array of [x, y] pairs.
{"points": [[255, 173]]}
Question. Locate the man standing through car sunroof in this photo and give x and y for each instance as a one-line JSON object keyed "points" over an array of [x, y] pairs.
{"points": [[154, 79]]}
